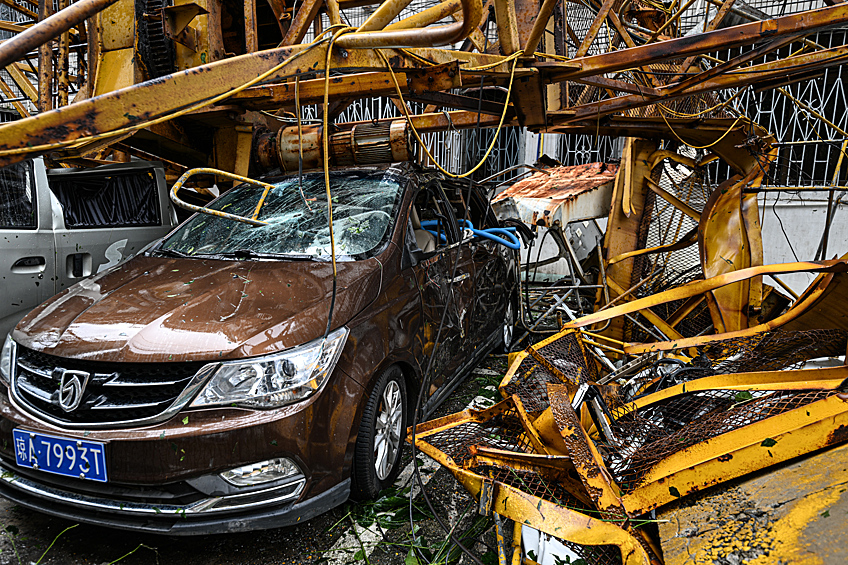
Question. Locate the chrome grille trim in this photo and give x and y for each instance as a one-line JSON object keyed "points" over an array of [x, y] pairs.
{"points": [[21, 386]]}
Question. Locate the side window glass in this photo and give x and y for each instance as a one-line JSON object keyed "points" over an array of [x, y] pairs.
{"points": [[17, 197], [432, 220], [119, 200]]}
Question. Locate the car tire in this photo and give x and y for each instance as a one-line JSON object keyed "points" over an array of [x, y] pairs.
{"points": [[376, 460]]}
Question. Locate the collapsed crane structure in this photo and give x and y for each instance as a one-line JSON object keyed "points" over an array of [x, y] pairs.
{"points": [[675, 383]]}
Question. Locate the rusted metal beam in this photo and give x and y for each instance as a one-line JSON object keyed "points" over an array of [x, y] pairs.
{"points": [[45, 62], [733, 63], [20, 8], [9, 93], [251, 38], [301, 22], [507, 27], [12, 26], [737, 36], [539, 26], [429, 16], [50, 28], [23, 83], [62, 63], [383, 15], [780, 68], [426, 37], [358, 85], [133, 106]]}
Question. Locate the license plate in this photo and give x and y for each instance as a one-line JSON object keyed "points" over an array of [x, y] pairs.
{"points": [[61, 456]]}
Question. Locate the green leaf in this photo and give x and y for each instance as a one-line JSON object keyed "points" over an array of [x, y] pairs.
{"points": [[768, 442], [489, 558], [410, 558], [185, 421], [825, 514], [743, 396], [359, 555], [674, 492], [532, 555]]}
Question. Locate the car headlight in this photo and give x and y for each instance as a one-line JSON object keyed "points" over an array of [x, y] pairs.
{"points": [[6, 356], [274, 380]]}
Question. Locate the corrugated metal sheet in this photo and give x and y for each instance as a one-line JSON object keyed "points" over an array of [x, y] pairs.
{"points": [[566, 194]]}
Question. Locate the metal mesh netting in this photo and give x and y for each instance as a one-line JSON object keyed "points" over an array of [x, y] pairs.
{"points": [[551, 491], [650, 435], [531, 378], [501, 432], [647, 436], [663, 224]]}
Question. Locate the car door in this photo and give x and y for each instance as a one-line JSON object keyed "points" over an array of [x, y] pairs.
{"points": [[108, 214], [26, 256], [445, 279]]}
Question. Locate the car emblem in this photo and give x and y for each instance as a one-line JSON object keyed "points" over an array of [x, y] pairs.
{"points": [[71, 387]]}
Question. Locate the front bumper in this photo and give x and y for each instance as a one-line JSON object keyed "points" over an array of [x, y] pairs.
{"points": [[259, 509]]}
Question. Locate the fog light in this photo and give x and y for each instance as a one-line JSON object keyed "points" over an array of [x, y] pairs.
{"points": [[261, 472]]}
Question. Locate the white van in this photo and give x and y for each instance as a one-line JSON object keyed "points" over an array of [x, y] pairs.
{"points": [[60, 225]]}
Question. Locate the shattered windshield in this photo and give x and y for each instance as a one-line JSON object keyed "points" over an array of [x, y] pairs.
{"points": [[298, 220]]}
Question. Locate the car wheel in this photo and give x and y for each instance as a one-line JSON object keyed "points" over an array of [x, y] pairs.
{"points": [[376, 461], [508, 329]]}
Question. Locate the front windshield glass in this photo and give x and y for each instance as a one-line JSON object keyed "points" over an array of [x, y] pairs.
{"points": [[364, 204]]}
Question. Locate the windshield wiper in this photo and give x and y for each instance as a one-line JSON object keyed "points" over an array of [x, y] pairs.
{"points": [[168, 252], [250, 254]]}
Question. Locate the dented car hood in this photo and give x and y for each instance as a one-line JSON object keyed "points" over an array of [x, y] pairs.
{"points": [[162, 309]]}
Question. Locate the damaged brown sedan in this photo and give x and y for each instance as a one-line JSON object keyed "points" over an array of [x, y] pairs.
{"points": [[225, 380]]}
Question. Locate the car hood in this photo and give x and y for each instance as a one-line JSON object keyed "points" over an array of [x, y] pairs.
{"points": [[157, 309]]}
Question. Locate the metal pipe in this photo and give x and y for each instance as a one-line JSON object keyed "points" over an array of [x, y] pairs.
{"points": [[539, 27], [205, 170], [551, 309], [12, 49], [383, 15], [472, 11], [428, 16]]}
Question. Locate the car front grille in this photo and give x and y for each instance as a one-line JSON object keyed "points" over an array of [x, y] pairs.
{"points": [[115, 393]]}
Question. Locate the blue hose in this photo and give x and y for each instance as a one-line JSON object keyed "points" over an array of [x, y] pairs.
{"points": [[490, 233]]}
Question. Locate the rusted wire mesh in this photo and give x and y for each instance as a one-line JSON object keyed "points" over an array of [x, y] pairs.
{"points": [[650, 435], [773, 351], [530, 380], [655, 432], [551, 491], [501, 432]]}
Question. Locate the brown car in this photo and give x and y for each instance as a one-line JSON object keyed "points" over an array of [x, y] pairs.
{"points": [[224, 381]]}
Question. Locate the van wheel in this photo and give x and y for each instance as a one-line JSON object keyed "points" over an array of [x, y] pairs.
{"points": [[376, 460]]}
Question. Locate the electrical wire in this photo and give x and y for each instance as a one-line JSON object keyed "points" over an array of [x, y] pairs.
{"points": [[418, 137], [326, 151], [716, 142]]}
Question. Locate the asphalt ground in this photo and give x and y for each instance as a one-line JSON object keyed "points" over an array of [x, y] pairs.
{"points": [[375, 533]]}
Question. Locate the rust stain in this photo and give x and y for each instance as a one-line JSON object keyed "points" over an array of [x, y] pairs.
{"points": [[561, 184], [838, 435]]}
